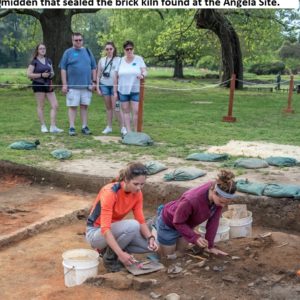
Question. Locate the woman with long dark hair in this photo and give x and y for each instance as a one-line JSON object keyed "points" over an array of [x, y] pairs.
{"points": [[40, 71], [107, 229]]}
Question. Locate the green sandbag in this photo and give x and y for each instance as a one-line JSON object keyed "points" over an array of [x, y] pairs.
{"points": [[281, 161], [61, 153], [183, 174], [282, 191], [24, 145], [137, 138], [154, 167], [251, 163], [207, 156], [254, 188]]}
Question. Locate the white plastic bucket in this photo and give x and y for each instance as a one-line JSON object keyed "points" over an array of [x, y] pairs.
{"points": [[79, 264], [222, 232], [239, 227]]}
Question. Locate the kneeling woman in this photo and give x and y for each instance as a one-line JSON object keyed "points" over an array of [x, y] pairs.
{"points": [[106, 228], [177, 219]]}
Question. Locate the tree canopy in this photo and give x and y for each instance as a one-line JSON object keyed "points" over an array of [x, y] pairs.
{"points": [[163, 37]]}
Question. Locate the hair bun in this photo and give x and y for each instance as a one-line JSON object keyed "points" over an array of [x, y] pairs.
{"points": [[225, 181]]}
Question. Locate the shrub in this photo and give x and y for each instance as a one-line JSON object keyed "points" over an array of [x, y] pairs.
{"points": [[267, 68], [208, 62]]}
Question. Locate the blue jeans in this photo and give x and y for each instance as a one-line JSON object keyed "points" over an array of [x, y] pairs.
{"points": [[165, 235], [131, 97], [107, 90]]}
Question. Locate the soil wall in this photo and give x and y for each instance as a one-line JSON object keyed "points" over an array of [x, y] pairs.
{"points": [[281, 213]]}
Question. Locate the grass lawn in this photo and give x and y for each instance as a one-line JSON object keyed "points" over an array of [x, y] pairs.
{"points": [[181, 116]]}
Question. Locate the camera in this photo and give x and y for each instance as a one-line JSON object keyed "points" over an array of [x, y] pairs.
{"points": [[106, 74]]}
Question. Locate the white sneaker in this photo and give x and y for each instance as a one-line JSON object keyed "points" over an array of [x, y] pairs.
{"points": [[44, 129], [107, 130], [54, 129], [123, 131]]}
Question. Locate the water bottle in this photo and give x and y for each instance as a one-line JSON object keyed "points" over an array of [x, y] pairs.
{"points": [[117, 107]]}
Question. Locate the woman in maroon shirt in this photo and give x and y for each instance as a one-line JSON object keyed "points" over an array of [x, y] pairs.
{"points": [[177, 219]]}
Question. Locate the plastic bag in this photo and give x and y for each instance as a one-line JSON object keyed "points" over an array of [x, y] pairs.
{"points": [[281, 161], [207, 157], [24, 145], [61, 153], [254, 188], [282, 191], [251, 163], [137, 138], [183, 174], [154, 167]]}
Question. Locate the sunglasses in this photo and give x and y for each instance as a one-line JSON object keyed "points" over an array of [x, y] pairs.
{"points": [[79, 40], [108, 49], [42, 49], [139, 172], [128, 49]]}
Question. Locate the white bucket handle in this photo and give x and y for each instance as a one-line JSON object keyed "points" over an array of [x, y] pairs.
{"points": [[71, 269]]}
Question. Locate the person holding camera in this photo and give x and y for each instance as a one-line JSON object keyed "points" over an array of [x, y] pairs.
{"points": [[105, 86], [130, 71], [40, 71], [78, 75]]}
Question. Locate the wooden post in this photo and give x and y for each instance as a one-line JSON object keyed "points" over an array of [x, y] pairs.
{"points": [[289, 107], [141, 106], [229, 117]]}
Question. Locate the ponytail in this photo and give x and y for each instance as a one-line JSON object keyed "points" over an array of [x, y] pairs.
{"points": [[131, 171]]}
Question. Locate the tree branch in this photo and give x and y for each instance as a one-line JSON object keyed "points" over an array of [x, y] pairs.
{"points": [[30, 12], [5, 13], [254, 14], [160, 14], [83, 11]]}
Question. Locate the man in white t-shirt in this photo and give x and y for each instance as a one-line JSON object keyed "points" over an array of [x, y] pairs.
{"points": [[130, 71]]}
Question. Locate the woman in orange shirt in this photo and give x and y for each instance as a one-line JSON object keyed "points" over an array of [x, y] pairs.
{"points": [[106, 228]]}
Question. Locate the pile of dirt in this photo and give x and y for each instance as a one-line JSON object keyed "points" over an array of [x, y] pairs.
{"points": [[257, 149]]}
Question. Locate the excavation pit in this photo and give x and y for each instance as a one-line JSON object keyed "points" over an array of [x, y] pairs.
{"points": [[43, 211]]}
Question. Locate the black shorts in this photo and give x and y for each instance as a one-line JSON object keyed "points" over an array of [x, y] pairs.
{"points": [[42, 88]]}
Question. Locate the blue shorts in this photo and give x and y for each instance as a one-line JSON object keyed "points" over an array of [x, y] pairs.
{"points": [[106, 90], [131, 97], [165, 235]]}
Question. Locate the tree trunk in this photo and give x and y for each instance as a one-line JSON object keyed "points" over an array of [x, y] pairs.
{"points": [[178, 67], [231, 50], [56, 27]]}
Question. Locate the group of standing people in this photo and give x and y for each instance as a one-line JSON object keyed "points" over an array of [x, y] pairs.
{"points": [[118, 238], [115, 78]]}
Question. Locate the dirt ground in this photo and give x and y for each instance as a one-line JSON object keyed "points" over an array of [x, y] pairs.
{"points": [[110, 164], [256, 268], [41, 221], [22, 203], [262, 268]]}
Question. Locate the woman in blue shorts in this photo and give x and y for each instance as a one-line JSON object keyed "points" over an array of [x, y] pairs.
{"points": [[130, 71], [40, 71], [107, 66]]}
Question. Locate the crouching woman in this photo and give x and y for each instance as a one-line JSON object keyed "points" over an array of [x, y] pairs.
{"points": [[177, 219], [106, 229]]}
